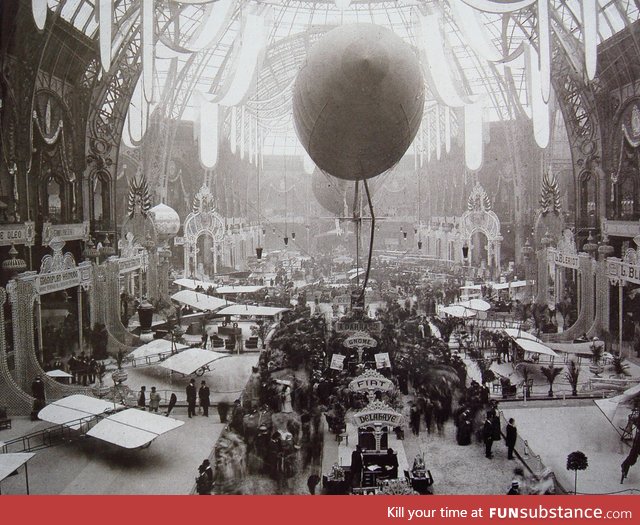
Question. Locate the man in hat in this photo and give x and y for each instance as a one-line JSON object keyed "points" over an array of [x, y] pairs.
{"points": [[487, 435], [515, 488], [203, 394], [191, 398]]}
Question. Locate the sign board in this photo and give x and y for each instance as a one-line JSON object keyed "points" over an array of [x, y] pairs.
{"points": [[56, 281], [337, 362], [630, 272], [618, 270], [567, 260], [66, 232], [360, 340], [359, 326], [61, 280], [178, 241], [130, 264], [382, 360], [17, 234], [371, 381], [378, 413]]}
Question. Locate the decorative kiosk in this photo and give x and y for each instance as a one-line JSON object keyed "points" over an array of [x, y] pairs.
{"points": [[379, 462]]}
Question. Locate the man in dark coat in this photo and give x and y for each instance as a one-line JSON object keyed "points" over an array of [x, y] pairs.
{"points": [[356, 467], [191, 398], [37, 389], [487, 436], [203, 394], [204, 481], [142, 398], [511, 436]]}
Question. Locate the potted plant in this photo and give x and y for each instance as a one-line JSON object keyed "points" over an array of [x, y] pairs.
{"points": [[572, 374], [596, 365], [100, 389], [620, 368], [527, 383], [260, 330], [551, 373], [577, 461], [119, 376]]}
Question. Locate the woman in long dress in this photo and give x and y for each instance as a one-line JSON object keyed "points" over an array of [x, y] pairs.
{"points": [[285, 397]]}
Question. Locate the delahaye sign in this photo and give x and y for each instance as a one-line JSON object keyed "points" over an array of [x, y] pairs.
{"points": [[371, 382], [378, 413], [360, 340]]}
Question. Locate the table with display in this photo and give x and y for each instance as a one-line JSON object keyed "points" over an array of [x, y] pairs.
{"points": [[377, 466]]}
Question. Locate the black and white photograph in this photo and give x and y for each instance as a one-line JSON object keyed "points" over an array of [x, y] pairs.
{"points": [[319, 247]]}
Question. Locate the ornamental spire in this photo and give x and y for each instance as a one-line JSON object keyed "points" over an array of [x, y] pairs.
{"points": [[550, 194]]}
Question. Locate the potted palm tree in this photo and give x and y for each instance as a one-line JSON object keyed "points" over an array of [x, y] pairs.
{"points": [[620, 368], [100, 389], [550, 373], [527, 383], [596, 367], [572, 374]]}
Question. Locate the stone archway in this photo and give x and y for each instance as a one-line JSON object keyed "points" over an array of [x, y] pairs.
{"points": [[203, 220], [479, 218]]}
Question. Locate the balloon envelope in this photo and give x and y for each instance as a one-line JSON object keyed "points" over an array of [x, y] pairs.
{"points": [[358, 101], [337, 195]]}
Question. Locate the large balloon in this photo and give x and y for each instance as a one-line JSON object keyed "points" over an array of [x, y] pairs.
{"points": [[337, 195], [358, 101]]}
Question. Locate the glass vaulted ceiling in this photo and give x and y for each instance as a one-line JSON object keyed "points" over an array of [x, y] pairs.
{"points": [[296, 24]]}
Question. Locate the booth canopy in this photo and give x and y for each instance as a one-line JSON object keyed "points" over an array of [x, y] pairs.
{"points": [[72, 408], [533, 346], [191, 360], [10, 462], [133, 428], [200, 301], [251, 310]]}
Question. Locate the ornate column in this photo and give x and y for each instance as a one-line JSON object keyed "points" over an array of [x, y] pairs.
{"points": [[11, 395], [22, 294]]}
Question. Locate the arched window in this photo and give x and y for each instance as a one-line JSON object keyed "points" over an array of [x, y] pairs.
{"points": [[54, 198]]}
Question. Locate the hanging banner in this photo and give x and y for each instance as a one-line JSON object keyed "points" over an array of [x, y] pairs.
{"points": [[337, 362], [66, 232], [17, 234]]}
